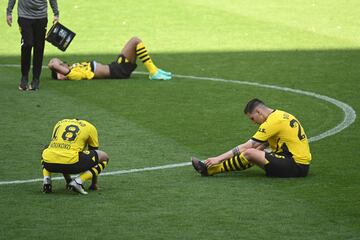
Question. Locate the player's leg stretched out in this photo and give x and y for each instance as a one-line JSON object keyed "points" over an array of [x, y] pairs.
{"points": [[236, 163]]}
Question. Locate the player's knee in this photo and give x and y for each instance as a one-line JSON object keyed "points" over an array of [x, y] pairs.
{"points": [[135, 40], [103, 156], [249, 153]]}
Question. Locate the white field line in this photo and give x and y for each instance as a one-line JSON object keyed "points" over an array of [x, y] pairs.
{"points": [[349, 113], [349, 118], [106, 173]]}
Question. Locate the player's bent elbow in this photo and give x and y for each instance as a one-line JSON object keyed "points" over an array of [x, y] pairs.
{"points": [[52, 63]]}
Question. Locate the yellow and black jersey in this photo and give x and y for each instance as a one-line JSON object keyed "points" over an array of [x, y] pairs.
{"points": [[285, 136], [81, 71], [69, 137]]}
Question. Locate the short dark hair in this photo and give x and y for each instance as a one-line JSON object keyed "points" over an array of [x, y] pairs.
{"points": [[252, 104], [54, 74]]}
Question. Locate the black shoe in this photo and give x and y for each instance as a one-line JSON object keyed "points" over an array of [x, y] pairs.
{"points": [[23, 83], [199, 166], [47, 188], [34, 86]]}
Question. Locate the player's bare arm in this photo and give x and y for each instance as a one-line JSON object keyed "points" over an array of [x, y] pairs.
{"points": [[59, 66], [229, 154]]}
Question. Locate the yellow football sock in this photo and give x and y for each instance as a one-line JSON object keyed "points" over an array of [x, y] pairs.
{"points": [[94, 171], [46, 173], [236, 163], [218, 168], [47, 176], [85, 176], [142, 53]]}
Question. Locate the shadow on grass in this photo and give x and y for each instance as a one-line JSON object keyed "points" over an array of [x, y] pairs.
{"points": [[303, 68], [256, 174]]}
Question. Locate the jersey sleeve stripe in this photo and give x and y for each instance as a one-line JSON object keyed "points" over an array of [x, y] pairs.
{"points": [[257, 140]]}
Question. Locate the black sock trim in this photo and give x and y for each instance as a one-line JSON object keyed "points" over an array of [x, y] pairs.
{"points": [[139, 49], [143, 57], [236, 165], [142, 52], [98, 168], [93, 172], [225, 167], [145, 60], [240, 162]]}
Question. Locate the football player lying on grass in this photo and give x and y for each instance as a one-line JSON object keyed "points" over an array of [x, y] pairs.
{"points": [[121, 68]]}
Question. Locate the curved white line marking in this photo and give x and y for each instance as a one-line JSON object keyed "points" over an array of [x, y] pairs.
{"points": [[350, 114], [349, 118]]}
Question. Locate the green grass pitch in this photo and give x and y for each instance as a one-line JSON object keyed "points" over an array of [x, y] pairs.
{"points": [[308, 45]]}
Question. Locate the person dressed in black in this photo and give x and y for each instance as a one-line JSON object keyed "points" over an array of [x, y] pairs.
{"points": [[32, 20]]}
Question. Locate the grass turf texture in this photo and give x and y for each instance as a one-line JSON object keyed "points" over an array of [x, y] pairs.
{"points": [[311, 45]]}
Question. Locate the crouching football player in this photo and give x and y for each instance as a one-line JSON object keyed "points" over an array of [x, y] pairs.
{"points": [[121, 68], [66, 154]]}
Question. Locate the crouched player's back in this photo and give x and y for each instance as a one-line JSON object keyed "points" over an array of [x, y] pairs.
{"points": [[73, 149], [69, 137]]}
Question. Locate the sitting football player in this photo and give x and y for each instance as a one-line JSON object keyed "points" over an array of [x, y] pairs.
{"points": [[121, 68]]}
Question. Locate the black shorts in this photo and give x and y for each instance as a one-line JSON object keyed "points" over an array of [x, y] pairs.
{"points": [[87, 160], [284, 166], [120, 69]]}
